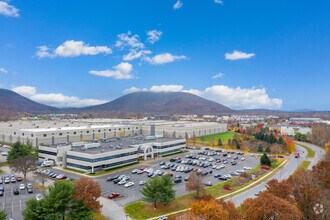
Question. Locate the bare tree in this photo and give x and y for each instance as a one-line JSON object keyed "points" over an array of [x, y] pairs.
{"points": [[42, 179], [195, 183], [23, 164]]}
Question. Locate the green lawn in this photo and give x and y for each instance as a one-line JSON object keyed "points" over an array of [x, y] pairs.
{"points": [[224, 136], [304, 165], [310, 152]]}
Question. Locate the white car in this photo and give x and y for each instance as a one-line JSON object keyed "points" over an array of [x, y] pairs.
{"points": [[22, 186], [4, 153], [129, 184], [39, 197], [135, 171], [142, 182], [243, 158], [122, 182], [247, 168], [29, 185], [228, 156]]}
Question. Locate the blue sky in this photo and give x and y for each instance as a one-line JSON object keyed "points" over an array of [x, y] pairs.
{"points": [[244, 54]]}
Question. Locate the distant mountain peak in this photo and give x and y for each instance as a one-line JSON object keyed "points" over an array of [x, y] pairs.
{"points": [[160, 103], [12, 102]]}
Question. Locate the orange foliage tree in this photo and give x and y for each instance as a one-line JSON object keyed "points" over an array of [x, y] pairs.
{"points": [[88, 191], [208, 210], [290, 145], [281, 189], [268, 206], [233, 213], [306, 192]]}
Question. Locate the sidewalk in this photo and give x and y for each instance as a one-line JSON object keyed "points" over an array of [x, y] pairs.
{"points": [[112, 211]]}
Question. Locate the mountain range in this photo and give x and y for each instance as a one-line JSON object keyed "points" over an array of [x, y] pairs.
{"points": [[138, 102]]}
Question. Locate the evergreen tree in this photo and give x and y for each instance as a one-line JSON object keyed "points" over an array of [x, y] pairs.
{"points": [[264, 160], [159, 189], [260, 148], [220, 142]]}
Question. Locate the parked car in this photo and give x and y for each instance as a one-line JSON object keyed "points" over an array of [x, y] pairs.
{"points": [[217, 175], [29, 186], [111, 178], [129, 184], [19, 178], [142, 182], [29, 190], [22, 186], [116, 180], [39, 197], [247, 168], [1, 193], [16, 191], [122, 182], [207, 183], [243, 158]]}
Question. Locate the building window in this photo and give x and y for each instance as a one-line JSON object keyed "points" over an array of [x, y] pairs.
{"points": [[74, 132], [60, 134], [87, 132], [22, 134], [31, 135], [99, 130], [45, 135]]}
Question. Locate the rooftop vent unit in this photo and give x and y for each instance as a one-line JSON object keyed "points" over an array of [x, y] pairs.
{"points": [[150, 138], [91, 145]]}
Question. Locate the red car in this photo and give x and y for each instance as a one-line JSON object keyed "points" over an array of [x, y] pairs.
{"points": [[19, 178], [113, 195]]}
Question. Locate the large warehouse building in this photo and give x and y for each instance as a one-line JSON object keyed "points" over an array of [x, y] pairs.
{"points": [[68, 131]]}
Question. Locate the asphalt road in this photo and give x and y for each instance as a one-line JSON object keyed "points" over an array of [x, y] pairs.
{"points": [[284, 173]]}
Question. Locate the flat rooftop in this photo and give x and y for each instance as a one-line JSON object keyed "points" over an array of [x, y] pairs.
{"points": [[115, 144]]}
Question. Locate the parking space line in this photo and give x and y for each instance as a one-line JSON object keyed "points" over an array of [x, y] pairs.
{"points": [[12, 206], [20, 205]]}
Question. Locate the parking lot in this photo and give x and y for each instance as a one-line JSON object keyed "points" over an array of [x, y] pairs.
{"points": [[132, 193], [14, 204]]}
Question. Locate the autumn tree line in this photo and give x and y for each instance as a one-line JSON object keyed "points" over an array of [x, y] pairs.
{"points": [[320, 135], [303, 196]]}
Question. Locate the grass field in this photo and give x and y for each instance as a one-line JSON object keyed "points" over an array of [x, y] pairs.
{"points": [[304, 165], [224, 137], [310, 152], [143, 210]]}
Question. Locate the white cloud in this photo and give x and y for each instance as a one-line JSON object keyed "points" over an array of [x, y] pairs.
{"points": [[55, 99], [219, 75], [3, 70], [164, 58], [25, 90], [156, 88], [237, 55], [177, 5], [154, 36], [127, 39], [237, 98], [166, 88], [72, 48], [134, 54], [121, 71], [220, 2], [8, 10], [134, 89]]}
